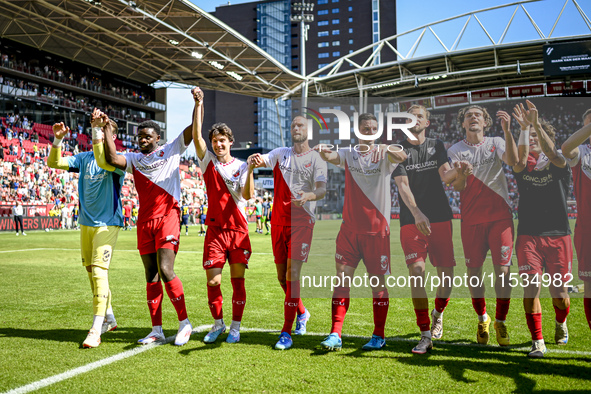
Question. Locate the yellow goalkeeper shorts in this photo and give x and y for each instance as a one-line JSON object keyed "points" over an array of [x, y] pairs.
{"points": [[97, 244]]}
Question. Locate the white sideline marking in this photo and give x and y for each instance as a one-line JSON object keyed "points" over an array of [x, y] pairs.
{"points": [[140, 349]]}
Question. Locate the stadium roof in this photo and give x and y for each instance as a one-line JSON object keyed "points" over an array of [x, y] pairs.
{"points": [[431, 67], [148, 41]]}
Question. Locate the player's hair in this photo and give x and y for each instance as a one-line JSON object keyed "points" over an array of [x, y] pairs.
{"points": [[221, 129], [366, 116], [419, 106], [149, 124], [548, 128], [587, 113], [487, 119], [114, 126]]}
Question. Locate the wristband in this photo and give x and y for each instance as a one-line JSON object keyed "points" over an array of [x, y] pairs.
{"points": [[57, 142], [524, 137], [97, 133]]}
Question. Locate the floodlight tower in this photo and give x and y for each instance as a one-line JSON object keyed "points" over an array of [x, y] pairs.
{"points": [[301, 12]]}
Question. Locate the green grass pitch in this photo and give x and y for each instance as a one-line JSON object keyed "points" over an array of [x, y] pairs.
{"points": [[46, 311]]}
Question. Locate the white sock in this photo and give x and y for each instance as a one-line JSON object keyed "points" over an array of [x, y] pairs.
{"points": [[110, 311], [219, 323], [436, 313], [426, 334], [157, 329], [500, 321], [235, 325], [483, 318], [185, 322], [97, 322]]}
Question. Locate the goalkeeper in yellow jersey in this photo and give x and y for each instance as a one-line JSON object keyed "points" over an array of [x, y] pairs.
{"points": [[100, 219]]}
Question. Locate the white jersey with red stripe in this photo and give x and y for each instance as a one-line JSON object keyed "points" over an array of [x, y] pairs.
{"points": [[294, 174], [486, 197], [581, 167], [157, 178], [224, 183], [368, 197]]}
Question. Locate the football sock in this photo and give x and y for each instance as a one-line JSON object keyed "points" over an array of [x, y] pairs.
{"points": [[534, 323], [502, 309], [301, 307], [238, 299], [215, 300], [175, 292], [561, 314], [479, 305], [381, 302], [587, 303], [235, 325], [440, 305], [423, 320], [290, 306], [154, 296], [100, 277], [340, 305]]}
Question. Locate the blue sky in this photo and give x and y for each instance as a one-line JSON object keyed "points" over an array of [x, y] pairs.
{"points": [[412, 14]]}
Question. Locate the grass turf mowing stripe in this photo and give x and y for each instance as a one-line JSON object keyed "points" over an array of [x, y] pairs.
{"points": [[140, 349]]}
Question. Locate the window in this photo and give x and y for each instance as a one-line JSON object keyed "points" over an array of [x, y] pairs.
{"points": [[322, 23], [335, 10], [336, 54], [351, 42], [375, 16], [322, 12], [322, 33], [322, 65], [336, 32], [323, 55], [335, 1], [336, 43], [350, 9], [324, 131], [336, 21], [350, 30], [322, 2], [322, 44], [350, 19]]}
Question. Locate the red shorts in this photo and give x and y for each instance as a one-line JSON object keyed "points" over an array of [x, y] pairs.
{"points": [[373, 249], [495, 236], [583, 248], [160, 233], [439, 245], [225, 244], [291, 242], [537, 254]]}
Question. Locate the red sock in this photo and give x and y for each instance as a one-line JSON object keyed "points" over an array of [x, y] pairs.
{"points": [[175, 292], [215, 301], [301, 307], [534, 323], [502, 308], [479, 305], [340, 305], [423, 319], [561, 314], [587, 303], [238, 298], [154, 297], [290, 306], [441, 304], [381, 302]]}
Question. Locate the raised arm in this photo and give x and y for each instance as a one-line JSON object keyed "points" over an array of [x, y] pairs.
{"points": [[519, 114], [546, 143], [115, 160], [97, 122], [197, 125], [511, 155], [421, 221], [55, 159], [570, 148]]}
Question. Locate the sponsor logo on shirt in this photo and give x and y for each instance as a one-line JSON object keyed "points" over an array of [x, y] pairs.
{"points": [[422, 166], [536, 180], [96, 177], [377, 170], [153, 166]]}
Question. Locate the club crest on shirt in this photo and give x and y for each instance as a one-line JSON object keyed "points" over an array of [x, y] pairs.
{"points": [[236, 174], [161, 153], [431, 151], [308, 165]]}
